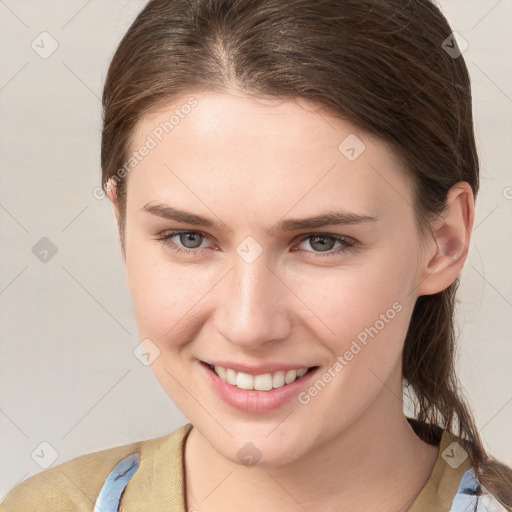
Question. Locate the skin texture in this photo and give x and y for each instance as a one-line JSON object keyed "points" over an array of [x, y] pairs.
{"points": [[248, 164]]}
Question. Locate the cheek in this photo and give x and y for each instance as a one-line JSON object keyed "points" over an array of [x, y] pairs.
{"points": [[162, 293], [352, 297], [365, 313]]}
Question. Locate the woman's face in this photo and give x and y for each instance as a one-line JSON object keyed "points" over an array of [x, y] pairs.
{"points": [[262, 290]]}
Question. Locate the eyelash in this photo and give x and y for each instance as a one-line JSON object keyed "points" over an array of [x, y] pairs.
{"points": [[348, 244]]}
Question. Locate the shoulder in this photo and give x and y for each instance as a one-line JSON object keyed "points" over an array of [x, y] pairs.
{"points": [[72, 485], [472, 495], [75, 484], [452, 485]]}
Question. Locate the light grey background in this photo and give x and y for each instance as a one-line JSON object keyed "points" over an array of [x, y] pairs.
{"points": [[68, 375]]}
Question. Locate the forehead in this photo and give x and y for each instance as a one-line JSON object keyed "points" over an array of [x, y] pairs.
{"points": [[263, 152]]}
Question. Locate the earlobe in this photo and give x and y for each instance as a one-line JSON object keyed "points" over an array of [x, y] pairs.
{"points": [[451, 236]]}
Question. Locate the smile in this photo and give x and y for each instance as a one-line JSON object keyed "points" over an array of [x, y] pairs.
{"points": [[262, 382]]}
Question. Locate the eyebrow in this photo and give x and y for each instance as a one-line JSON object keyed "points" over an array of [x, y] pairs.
{"points": [[336, 218]]}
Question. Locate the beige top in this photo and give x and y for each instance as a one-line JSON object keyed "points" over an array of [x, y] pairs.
{"points": [[158, 484]]}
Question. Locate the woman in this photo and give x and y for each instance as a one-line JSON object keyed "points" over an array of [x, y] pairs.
{"points": [[294, 186]]}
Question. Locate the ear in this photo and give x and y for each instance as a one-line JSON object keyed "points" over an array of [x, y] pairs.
{"points": [[442, 262], [111, 192]]}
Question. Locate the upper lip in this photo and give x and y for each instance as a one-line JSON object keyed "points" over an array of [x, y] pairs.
{"points": [[260, 368]]}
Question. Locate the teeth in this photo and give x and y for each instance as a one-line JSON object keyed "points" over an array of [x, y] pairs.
{"points": [[290, 376], [221, 372], [278, 380], [244, 381], [230, 375], [263, 382]]}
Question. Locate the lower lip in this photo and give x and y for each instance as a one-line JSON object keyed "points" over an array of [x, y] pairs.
{"points": [[254, 401]]}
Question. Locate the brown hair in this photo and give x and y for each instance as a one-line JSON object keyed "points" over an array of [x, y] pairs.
{"points": [[383, 65]]}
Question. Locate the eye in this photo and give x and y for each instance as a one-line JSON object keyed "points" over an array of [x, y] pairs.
{"points": [[186, 237], [192, 240], [324, 242]]}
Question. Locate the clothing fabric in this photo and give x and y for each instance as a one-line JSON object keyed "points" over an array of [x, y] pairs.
{"points": [[149, 475], [110, 494]]}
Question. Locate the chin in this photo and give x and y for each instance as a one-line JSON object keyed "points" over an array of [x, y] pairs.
{"points": [[260, 450], [251, 456]]}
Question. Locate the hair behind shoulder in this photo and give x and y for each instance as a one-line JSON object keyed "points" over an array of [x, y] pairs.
{"points": [[380, 64]]}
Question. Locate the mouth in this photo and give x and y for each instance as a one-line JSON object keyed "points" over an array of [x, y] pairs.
{"points": [[260, 382], [256, 392]]}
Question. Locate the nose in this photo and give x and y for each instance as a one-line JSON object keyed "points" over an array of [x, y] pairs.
{"points": [[253, 305]]}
